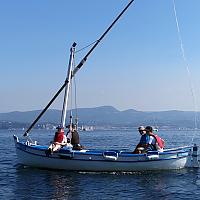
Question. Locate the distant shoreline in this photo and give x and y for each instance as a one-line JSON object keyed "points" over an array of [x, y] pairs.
{"points": [[104, 129]]}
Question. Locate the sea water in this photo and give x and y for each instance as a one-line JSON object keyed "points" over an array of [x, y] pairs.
{"points": [[18, 182]]}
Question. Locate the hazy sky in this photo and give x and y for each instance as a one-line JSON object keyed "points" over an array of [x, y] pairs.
{"points": [[138, 65]]}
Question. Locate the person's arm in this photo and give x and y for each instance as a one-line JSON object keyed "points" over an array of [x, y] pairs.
{"points": [[152, 143], [64, 140]]}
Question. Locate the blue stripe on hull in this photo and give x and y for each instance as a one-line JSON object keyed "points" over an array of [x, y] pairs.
{"points": [[100, 154]]}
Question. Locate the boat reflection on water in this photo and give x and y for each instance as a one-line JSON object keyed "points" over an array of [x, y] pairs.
{"points": [[44, 184], [52, 184]]}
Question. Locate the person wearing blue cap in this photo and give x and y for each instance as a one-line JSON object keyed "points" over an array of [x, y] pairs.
{"points": [[140, 148]]}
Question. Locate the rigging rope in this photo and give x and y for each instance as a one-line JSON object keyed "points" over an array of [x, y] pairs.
{"points": [[186, 65], [71, 105], [86, 46], [75, 100], [75, 97], [73, 89]]}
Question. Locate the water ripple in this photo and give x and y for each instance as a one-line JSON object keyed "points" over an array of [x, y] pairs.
{"points": [[18, 182]]}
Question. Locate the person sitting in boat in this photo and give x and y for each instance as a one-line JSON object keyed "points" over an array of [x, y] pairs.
{"points": [[149, 141], [59, 141], [73, 137], [155, 143], [140, 148]]}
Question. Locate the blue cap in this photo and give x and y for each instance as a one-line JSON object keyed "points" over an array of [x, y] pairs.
{"points": [[59, 127]]}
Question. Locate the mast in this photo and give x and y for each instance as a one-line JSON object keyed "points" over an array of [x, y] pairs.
{"points": [[67, 87]]}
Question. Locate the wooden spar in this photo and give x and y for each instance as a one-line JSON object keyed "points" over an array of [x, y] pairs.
{"points": [[99, 40], [67, 87], [76, 69]]}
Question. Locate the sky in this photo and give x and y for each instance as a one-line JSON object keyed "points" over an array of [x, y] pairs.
{"points": [[138, 65]]}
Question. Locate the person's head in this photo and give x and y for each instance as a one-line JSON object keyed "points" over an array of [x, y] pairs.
{"points": [[72, 126], [149, 129], [60, 129], [141, 130]]}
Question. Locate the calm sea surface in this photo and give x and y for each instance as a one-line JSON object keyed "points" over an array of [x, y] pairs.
{"points": [[17, 182]]}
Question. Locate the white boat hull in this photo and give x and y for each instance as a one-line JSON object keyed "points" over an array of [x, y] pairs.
{"points": [[107, 161]]}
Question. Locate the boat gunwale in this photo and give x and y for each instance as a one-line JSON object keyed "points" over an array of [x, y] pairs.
{"points": [[90, 160], [179, 150]]}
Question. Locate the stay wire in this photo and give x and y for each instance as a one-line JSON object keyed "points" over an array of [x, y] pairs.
{"points": [[75, 98], [86, 46], [71, 100], [186, 65], [71, 104]]}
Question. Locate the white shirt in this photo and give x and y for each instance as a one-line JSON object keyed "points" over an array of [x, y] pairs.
{"points": [[64, 139], [152, 140]]}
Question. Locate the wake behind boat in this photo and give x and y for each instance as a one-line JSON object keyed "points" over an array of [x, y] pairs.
{"points": [[31, 154]]}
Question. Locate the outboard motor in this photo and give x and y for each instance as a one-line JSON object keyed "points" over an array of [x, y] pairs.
{"points": [[194, 161]]}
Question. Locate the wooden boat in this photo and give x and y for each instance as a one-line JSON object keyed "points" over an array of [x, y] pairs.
{"points": [[31, 154], [108, 161]]}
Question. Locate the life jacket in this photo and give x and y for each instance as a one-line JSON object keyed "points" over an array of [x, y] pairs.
{"points": [[59, 136], [160, 141]]}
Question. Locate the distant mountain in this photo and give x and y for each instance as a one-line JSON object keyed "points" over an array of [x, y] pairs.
{"points": [[29, 116], [110, 116]]}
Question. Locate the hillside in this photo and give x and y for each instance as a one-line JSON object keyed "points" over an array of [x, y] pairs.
{"points": [[109, 116]]}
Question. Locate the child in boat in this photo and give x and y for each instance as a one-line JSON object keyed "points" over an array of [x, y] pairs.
{"points": [[59, 140]]}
